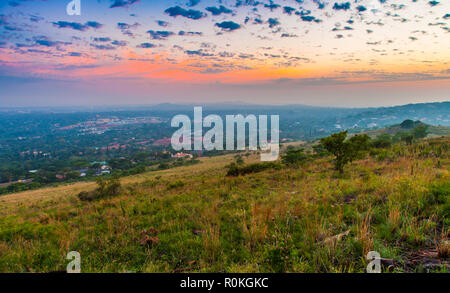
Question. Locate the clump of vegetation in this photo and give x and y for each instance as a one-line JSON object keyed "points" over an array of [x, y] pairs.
{"points": [[236, 170], [382, 141], [106, 188], [175, 184], [294, 157], [345, 151]]}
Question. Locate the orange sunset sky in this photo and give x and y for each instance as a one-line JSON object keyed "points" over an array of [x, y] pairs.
{"points": [[331, 53]]}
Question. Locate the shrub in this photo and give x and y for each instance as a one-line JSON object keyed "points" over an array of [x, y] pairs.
{"points": [[235, 170], [293, 157], [175, 184], [382, 141], [106, 187]]}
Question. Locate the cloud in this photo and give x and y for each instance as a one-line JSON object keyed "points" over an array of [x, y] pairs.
{"points": [[94, 24], [188, 13], [433, 3], [361, 8], [320, 4], [78, 26], [46, 43], [126, 26], [123, 3], [184, 33], [272, 5], [162, 23], [102, 39], [341, 6], [160, 35], [35, 18], [309, 18], [119, 43], [198, 53], [273, 22], [219, 11], [288, 10], [146, 46], [103, 47], [192, 3], [228, 25]]}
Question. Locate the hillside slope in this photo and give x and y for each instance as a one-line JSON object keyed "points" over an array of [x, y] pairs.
{"points": [[195, 219]]}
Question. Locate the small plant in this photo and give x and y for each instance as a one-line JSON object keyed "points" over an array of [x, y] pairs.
{"points": [[106, 187], [175, 184]]}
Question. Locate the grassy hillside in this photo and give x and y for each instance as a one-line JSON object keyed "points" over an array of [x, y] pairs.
{"points": [[432, 130], [195, 219]]}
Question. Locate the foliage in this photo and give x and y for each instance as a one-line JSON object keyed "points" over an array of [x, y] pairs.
{"points": [[382, 141], [420, 131], [345, 151]]}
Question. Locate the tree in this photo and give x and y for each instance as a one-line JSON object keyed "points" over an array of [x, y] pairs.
{"points": [[345, 151], [420, 131]]}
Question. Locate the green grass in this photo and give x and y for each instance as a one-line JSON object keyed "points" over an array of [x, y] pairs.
{"points": [[287, 219]]}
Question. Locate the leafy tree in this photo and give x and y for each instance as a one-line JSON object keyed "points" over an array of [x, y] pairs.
{"points": [[345, 151], [420, 131]]}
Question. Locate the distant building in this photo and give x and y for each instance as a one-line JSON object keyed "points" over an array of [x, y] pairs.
{"points": [[182, 155]]}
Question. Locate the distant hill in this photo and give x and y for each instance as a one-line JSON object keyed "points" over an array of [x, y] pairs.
{"points": [[432, 130], [430, 113]]}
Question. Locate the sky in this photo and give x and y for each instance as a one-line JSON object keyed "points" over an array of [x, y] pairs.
{"points": [[356, 53]]}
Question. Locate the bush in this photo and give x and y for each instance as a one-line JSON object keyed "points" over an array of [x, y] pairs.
{"points": [[106, 187], [382, 141], [293, 157], [175, 184]]}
